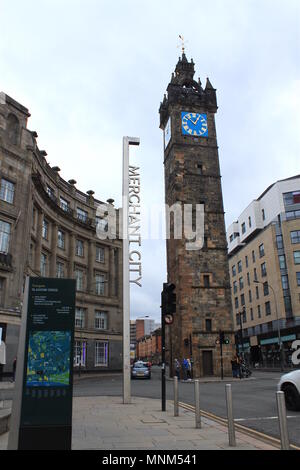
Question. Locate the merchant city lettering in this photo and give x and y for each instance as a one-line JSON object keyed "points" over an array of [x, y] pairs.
{"points": [[134, 226]]}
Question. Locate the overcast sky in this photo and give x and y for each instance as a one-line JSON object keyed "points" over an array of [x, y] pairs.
{"points": [[91, 71]]}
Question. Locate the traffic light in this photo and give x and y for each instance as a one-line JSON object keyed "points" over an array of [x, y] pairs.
{"points": [[168, 298], [222, 338]]}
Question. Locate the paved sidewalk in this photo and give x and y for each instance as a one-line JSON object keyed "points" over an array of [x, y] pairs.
{"points": [[105, 423]]}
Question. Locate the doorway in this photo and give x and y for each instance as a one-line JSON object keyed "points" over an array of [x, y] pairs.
{"points": [[207, 363]]}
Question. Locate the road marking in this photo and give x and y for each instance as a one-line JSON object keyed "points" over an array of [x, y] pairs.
{"points": [[239, 427], [262, 418]]}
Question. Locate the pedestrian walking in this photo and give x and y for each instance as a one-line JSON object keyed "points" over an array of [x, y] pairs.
{"points": [[177, 368], [235, 366], [184, 368], [189, 369]]}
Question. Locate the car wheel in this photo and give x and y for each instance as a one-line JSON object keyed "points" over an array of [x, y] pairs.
{"points": [[292, 397]]}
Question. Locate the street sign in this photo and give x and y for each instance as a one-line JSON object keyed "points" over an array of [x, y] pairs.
{"points": [[169, 319], [45, 385]]}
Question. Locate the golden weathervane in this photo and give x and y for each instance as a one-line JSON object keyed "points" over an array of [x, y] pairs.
{"points": [[183, 43]]}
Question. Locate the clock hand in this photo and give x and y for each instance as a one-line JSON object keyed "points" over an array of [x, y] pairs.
{"points": [[192, 121], [197, 119]]}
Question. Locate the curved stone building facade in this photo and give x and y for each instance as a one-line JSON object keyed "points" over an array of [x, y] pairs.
{"points": [[49, 228]]}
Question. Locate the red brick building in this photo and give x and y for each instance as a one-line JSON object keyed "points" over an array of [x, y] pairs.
{"points": [[148, 348]]}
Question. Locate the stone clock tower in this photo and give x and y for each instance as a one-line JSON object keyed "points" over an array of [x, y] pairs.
{"points": [[192, 176]]}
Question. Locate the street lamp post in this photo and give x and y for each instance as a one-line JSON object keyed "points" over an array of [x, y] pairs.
{"points": [[278, 324], [241, 331]]}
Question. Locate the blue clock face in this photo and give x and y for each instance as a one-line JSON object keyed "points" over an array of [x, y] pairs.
{"points": [[194, 124]]}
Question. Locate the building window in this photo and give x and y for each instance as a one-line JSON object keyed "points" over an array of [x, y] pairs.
{"points": [[261, 250], [231, 238], [282, 262], [292, 215], [263, 269], [236, 302], [257, 292], [101, 353], [242, 299], [285, 282], [82, 215], [59, 270], [100, 281], [7, 191], [50, 192], [240, 267], [43, 265], [45, 228], [291, 198], [101, 224], [268, 308], [65, 205], [4, 236], [101, 320], [79, 279], [79, 248], [199, 168], [251, 314], [243, 227], [235, 287], [244, 316], [61, 239], [241, 283], [208, 325], [266, 288], [100, 254], [287, 304], [295, 236], [263, 214], [297, 257], [206, 280], [258, 311], [246, 261], [255, 274], [249, 222], [233, 270], [79, 317], [238, 319], [279, 242], [250, 296], [253, 256], [248, 279], [79, 353], [298, 279]]}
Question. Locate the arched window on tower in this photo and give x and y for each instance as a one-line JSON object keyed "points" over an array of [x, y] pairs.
{"points": [[13, 127]]}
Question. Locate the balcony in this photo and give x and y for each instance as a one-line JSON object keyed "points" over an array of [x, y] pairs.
{"points": [[58, 205], [5, 260]]}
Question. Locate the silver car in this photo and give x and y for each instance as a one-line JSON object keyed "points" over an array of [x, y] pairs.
{"points": [[290, 385], [140, 371]]}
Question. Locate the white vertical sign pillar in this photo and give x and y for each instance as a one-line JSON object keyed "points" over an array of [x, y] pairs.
{"points": [[126, 280]]}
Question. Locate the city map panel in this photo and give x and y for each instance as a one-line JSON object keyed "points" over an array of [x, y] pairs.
{"points": [[48, 362]]}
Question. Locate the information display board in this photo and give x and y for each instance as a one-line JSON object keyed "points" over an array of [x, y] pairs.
{"points": [[46, 411]]}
